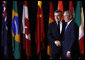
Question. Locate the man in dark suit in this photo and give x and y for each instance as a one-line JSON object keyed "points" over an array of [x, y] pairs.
{"points": [[70, 40], [55, 34]]}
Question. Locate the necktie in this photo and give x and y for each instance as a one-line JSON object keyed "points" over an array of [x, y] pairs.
{"points": [[66, 27]]}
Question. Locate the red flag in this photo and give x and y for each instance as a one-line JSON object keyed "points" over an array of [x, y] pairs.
{"points": [[26, 30], [39, 32], [51, 14], [51, 19], [81, 32], [60, 7], [71, 8]]}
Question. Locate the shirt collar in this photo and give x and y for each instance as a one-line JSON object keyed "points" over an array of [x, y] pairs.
{"points": [[60, 21], [69, 22]]}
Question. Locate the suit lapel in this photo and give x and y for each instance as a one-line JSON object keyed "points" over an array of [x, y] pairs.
{"points": [[69, 25], [63, 27]]}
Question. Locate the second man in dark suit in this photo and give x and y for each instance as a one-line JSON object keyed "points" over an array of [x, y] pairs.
{"points": [[55, 34], [70, 41]]}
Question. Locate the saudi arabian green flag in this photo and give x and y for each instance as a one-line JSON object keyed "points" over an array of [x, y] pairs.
{"points": [[15, 32]]}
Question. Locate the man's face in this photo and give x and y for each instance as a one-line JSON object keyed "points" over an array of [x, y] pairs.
{"points": [[66, 17], [57, 16]]}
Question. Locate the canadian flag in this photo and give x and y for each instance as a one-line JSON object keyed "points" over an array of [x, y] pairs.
{"points": [[26, 30]]}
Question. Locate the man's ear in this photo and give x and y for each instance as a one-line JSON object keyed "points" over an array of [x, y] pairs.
{"points": [[71, 17]]}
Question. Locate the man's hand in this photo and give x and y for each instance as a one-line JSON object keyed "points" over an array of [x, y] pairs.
{"points": [[57, 43], [68, 54]]}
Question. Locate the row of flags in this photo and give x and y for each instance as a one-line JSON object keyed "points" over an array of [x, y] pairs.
{"points": [[39, 31]]}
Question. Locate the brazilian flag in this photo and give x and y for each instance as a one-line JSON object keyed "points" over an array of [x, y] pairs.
{"points": [[15, 32]]}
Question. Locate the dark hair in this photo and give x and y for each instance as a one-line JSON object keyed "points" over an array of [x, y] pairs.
{"points": [[58, 11]]}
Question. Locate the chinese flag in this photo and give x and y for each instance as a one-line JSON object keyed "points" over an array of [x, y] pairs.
{"points": [[39, 32]]}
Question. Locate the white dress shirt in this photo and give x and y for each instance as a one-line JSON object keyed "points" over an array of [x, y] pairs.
{"points": [[60, 26], [67, 24]]}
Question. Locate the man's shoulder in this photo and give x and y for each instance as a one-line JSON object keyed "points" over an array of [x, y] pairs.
{"points": [[74, 23], [53, 23]]}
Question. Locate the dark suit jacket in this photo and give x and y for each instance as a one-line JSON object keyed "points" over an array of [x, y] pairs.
{"points": [[70, 42], [53, 35]]}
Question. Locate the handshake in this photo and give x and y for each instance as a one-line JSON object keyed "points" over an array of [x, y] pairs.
{"points": [[57, 43]]}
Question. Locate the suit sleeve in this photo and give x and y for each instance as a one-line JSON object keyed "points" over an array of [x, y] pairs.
{"points": [[72, 38], [49, 36]]}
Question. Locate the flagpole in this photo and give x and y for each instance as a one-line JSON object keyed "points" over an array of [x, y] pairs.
{"points": [[40, 52], [27, 57]]}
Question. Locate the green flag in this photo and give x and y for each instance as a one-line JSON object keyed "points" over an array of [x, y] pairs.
{"points": [[15, 32], [78, 19]]}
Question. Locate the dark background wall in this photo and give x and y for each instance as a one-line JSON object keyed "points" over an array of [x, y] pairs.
{"points": [[32, 7]]}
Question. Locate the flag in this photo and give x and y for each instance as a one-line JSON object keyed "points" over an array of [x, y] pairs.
{"points": [[79, 19], [4, 29], [51, 19], [51, 14], [60, 7], [15, 32], [23, 26], [39, 32], [26, 30], [71, 8]]}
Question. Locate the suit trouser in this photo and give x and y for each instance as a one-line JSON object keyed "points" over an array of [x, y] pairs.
{"points": [[56, 54]]}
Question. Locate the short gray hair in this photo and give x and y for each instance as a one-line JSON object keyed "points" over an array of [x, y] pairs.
{"points": [[70, 13]]}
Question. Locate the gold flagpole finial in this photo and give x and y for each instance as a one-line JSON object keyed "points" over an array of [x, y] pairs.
{"points": [[40, 3]]}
